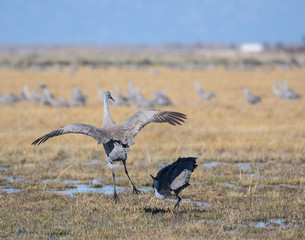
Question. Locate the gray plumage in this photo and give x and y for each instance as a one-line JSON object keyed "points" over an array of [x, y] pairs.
{"points": [[100, 93], [137, 98], [289, 93], [120, 100], [202, 93], [172, 179], [78, 98], [251, 98], [116, 138], [280, 94], [161, 99], [11, 98]]}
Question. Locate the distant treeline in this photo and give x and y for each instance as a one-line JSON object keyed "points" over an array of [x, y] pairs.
{"points": [[145, 56]]}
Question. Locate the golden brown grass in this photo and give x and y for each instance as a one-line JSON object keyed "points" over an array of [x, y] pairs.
{"points": [[269, 135]]}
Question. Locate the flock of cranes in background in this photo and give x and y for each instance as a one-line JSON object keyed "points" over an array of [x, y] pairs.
{"points": [[133, 98]]}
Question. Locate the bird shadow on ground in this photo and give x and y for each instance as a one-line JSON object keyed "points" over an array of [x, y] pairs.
{"points": [[156, 210]]}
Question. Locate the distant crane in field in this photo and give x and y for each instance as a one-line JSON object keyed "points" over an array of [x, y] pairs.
{"points": [[280, 94], [284, 92], [137, 98], [49, 97], [120, 99], [11, 98], [78, 98], [161, 99], [289, 93], [116, 138], [100, 93], [172, 179], [251, 98], [202, 93]]}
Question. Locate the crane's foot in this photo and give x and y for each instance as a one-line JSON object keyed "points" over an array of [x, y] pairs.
{"points": [[115, 197], [135, 190], [174, 210]]}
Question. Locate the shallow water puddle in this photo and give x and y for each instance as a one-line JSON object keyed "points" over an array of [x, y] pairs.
{"points": [[2, 169], [228, 185], [282, 185], [272, 222], [9, 190], [82, 188], [79, 187], [269, 223], [245, 167]]}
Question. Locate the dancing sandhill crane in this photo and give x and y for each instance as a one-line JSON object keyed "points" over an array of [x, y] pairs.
{"points": [[172, 179], [203, 94], [116, 138], [161, 99], [288, 91], [251, 98]]}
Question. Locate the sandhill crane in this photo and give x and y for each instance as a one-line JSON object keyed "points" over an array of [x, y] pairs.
{"points": [[280, 94], [251, 98], [137, 98], [161, 99], [131, 92], [10, 98], [35, 96], [141, 101], [27, 94], [172, 179], [116, 138], [288, 91], [78, 99], [78, 95], [120, 100], [100, 93], [39, 97], [203, 94], [49, 97]]}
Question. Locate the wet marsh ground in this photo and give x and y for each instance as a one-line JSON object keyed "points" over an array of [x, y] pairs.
{"points": [[250, 180]]}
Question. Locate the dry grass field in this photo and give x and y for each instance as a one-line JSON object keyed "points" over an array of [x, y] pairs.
{"points": [[251, 173]]}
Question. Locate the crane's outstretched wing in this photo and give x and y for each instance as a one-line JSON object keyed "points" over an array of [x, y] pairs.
{"points": [[126, 131], [100, 135]]}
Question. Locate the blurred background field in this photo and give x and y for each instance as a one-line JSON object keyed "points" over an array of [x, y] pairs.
{"points": [[244, 151]]}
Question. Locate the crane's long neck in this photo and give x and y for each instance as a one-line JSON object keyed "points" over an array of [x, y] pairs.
{"points": [[275, 90], [106, 109], [107, 118], [197, 85], [245, 90]]}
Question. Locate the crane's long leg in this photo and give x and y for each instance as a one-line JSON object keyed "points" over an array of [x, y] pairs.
{"points": [[135, 190], [177, 204], [115, 196]]}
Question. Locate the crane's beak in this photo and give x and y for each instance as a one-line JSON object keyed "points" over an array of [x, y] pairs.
{"points": [[152, 176], [111, 98]]}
